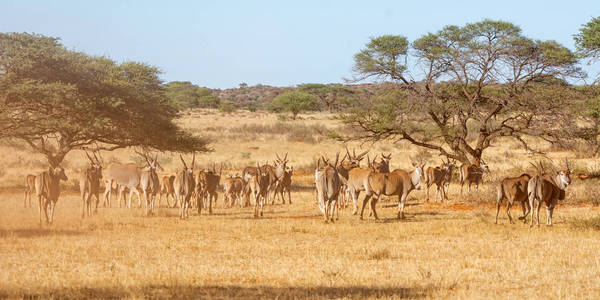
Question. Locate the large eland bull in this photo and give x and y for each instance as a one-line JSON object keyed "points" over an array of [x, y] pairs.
{"points": [[47, 191], [547, 189]]}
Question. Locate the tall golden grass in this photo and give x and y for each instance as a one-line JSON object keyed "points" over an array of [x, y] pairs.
{"points": [[449, 250]]}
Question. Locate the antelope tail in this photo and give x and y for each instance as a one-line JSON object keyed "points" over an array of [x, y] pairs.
{"points": [[368, 187], [500, 194], [534, 189], [330, 187]]}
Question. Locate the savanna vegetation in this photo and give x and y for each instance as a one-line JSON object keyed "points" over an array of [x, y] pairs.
{"points": [[482, 90]]}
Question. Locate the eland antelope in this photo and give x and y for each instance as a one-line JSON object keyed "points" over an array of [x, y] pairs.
{"points": [[328, 183], [258, 184], [199, 190], [472, 173], [383, 166], [358, 180], [233, 187], [149, 182], [513, 189], [247, 173], [47, 190], [125, 176], [398, 182], [211, 182], [279, 170], [29, 189], [89, 184], [548, 189], [441, 176], [350, 162], [184, 186], [285, 185], [167, 189]]}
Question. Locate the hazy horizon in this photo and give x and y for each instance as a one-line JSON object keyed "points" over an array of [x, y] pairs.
{"points": [[220, 44]]}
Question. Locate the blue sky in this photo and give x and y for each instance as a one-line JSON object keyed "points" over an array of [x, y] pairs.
{"points": [[220, 44]]}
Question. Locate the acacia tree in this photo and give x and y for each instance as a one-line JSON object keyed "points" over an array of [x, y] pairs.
{"points": [[184, 94], [328, 94], [293, 102], [57, 100], [587, 40], [478, 82]]}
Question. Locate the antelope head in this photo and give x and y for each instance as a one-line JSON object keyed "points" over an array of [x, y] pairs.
{"points": [[58, 172], [95, 164], [353, 159], [565, 175], [418, 175], [190, 171], [155, 165], [482, 165], [384, 164], [280, 161]]}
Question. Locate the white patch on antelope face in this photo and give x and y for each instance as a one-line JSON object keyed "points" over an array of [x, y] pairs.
{"points": [[485, 168], [565, 177]]}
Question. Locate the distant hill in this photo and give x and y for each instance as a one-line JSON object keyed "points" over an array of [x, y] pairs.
{"points": [[262, 94]]}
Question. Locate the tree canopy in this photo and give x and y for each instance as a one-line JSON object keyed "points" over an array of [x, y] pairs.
{"points": [[476, 83], [184, 95], [330, 95], [588, 39], [294, 102], [57, 100]]}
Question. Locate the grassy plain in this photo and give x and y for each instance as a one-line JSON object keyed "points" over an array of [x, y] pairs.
{"points": [[450, 250]]}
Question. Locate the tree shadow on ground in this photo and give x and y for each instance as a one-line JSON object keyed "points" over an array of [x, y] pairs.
{"points": [[37, 232], [268, 216], [229, 292]]}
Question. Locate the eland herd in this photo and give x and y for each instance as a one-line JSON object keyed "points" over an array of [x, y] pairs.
{"points": [[337, 183]]}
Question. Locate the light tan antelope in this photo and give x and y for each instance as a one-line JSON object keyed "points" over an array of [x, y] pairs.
{"points": [[247, 173], [513, 189], [279, 170], [441, 177], [328, 183], [398, 182], [149, 182], [228, 193], [124, 176], [89, 184], [358, 180], [47, 191], [184, 186], [472, 173], [167, 189], [272, 178], [239, 188], [548, 189], [350, 161], [29, 189], [258, 184], [200, 190], [211, 180], [233, 187], [285, 185]]}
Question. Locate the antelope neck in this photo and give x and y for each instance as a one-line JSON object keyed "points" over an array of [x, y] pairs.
{"points": [[415, 177]]}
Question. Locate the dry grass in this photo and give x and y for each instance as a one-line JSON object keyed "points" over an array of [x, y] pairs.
{"points": [[450, 250]]}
